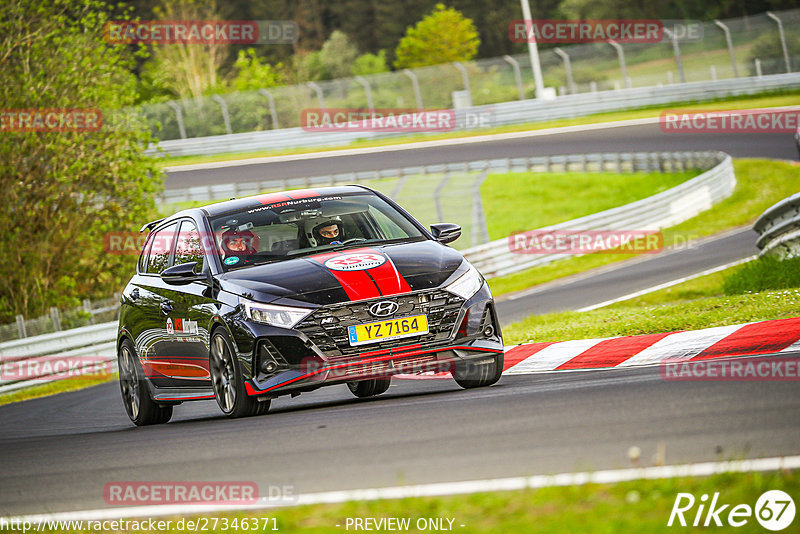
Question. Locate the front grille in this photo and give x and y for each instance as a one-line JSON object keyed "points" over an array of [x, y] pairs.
{"points": [[327, 327]]}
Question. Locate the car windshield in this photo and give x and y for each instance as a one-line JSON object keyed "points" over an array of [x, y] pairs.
{"points": [[288, 229]]}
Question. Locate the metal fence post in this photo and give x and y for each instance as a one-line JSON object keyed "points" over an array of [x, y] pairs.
{"points": [[318, 90], [55, 318], [365, 84], [224, 107], [729, 42], [21, 326], [480, 233], [517, 75], [275, 124], [568, 67], [676, 49], [758, 67], [437, 196], [622, 66], [178, 117], [464, 77], [782, 35], [415, 85]]}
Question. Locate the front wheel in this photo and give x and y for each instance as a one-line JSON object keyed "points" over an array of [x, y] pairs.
{"points": [[369, 388], [228, 382], [141, 409], [475, 375]]}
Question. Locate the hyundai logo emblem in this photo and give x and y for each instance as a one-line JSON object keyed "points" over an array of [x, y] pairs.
{"points": [[383, 308]]}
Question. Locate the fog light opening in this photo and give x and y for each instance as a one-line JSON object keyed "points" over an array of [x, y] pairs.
{"points": [[488, 331]]}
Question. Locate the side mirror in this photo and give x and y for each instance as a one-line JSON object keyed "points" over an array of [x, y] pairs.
{"points": [[445, 232], [182, 274]]}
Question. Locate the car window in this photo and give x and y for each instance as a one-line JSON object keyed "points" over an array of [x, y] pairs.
{"points": [[311, 225], [189, 247], [389, 228], [160, 249], [143, 259]]}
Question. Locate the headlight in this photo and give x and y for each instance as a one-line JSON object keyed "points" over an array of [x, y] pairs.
{"points": [[467, 284], [282, 316]]}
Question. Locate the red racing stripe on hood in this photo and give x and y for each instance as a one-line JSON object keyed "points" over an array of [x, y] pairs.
{"points": [[357, 284], [388, 278]]}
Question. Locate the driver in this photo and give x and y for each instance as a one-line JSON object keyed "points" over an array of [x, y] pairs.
{"points": [[330, 232], [238, 242]]}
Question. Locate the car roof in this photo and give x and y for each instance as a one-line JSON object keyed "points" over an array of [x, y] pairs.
{"points": [[270, 198], [256, 201]]}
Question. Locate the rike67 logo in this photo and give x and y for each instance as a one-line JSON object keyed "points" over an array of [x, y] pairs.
{"points": [[774, 510], [355, 262]]}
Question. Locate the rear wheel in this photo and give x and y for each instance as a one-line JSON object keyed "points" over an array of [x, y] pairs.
{"points": [[369, 388], [228, 381], [141, 409], [474, 375]]}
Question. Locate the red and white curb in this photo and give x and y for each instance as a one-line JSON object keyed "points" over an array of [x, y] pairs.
{"points": [[749, 339]]}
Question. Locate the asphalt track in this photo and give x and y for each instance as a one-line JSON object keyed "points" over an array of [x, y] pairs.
{"points": [[57, 453], [616, 281], [642, 138]]}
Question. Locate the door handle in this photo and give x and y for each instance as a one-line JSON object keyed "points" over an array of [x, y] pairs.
{"points": [[135, 293], [166, 307]]}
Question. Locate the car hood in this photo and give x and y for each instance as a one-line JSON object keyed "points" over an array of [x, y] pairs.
{"points": [[349, 275]]}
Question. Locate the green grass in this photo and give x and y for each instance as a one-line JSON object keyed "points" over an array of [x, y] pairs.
{"points": [[517, 202], [626, 507], [760, 290], [760, 184], [783, 98], [52, 388], [766, 273]]}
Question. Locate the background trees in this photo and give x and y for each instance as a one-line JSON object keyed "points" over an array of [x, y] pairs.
{"points": [[61, 192]]}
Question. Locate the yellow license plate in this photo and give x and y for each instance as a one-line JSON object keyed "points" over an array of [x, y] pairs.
{"points": [[389, 329]]}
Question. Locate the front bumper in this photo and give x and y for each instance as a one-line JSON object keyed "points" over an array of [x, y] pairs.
{"points": [[402, 360], [304, 366]]}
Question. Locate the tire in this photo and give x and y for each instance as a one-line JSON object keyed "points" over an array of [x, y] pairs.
{"points": [[469, 375], [228, 382], [141, 409], [369, 388]]}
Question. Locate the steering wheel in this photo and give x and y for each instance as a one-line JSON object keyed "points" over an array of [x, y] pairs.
{"points": [[353, 240]]}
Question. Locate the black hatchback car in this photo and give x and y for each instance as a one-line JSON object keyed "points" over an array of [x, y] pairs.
{"points": [[278, 294]]}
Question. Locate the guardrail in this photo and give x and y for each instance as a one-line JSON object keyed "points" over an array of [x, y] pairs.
{"points": [[505, 113], [665, 209], [49, 357], [779, 228]]}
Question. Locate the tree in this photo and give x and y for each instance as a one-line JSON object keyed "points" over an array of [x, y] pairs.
{"points": [[443, 36], [63, 191], [252, 74], [370, 64], [338, 55], [334, 60], [187, 69]]}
